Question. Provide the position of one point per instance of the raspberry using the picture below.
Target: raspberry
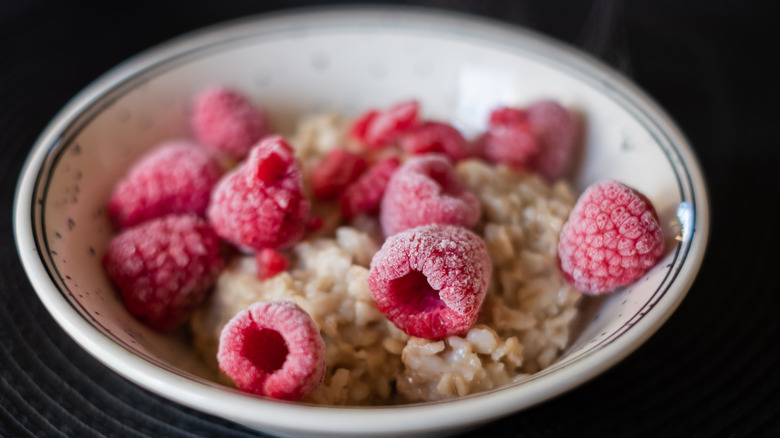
(365, 194)
(425, 190)
(336, 172)
(261, 204)
(612, 238)
(175, 177)
(431, 281)
(273, 349)
(506, 115)
(436, 137)
(510, 138)
(381, 128)
(269, 263)
(555, 130)
(164, 267)
(225, 121)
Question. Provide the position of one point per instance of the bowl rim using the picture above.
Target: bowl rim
(340, 421)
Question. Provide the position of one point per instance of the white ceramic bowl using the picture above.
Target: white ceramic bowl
(346, 59)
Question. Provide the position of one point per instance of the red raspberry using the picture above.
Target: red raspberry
(225, 121)
(384, 127)
(431, 281)
(510, 138)
(269, 263)
(365, 194)
(612, 238)
(336, 172)
(175, 177)
(261, 204)
(359, 126)
(555, 129)
(425, 190)
(506, 115)
(273, 349)
(436, 137)
(164, 267)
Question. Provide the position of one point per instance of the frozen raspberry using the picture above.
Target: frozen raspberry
(436, 137)
(381, 128)
(510, 138)
(555, 129)
(612, 238)
(336, 172)
(175, 177)
(273, 349)
(224, 120)
(506, 115)
(269, 263)
(431, 281)
(261, 204)
(365, 194)
(164, 267)
(425, 190)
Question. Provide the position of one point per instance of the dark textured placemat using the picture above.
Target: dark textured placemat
(712, 370)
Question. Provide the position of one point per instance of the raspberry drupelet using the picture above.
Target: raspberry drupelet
(426, 190)
(260, 204)
(175, 177)
(612, 238)
(223, 120)
(273, 349)
(164, 267)
(432, 136)
(431, 281)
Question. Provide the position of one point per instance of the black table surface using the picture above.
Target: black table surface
(712, 370)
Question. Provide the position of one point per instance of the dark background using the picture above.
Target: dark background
(712, 370)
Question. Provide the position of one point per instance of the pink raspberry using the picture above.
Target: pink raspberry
(555, 129)
(164, 267)
(431, 281)
(425, 190)
(612, 238)
(436, 137)
(224, 120)
(273, 349)
(381, 128)
(261, 204)
(269, 263)
(336, 172)
(175, 177)
(365, 194)
(510, 138)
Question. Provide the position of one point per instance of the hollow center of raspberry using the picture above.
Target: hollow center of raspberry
(270, 167)
(415, 295)
(265, 348)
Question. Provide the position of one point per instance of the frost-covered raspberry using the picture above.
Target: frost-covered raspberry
(555, 129)
(261, 204)
(439, 137)
(510, 138)
(612, 238)
(336, 172)
(377, 129)
(164, 267)
(431, 281)
(175, 177)
(270, 262)
(365, 194)
(224, 120)
(273, 349)
(426, 190)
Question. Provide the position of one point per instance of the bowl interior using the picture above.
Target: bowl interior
(305, 64)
